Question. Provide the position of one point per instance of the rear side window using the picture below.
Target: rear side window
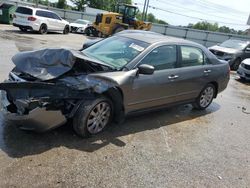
(55, 16)
(24, 10)
(191, 56)
(47, 14)
(42, 13)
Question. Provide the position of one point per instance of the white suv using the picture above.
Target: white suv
(29, 18)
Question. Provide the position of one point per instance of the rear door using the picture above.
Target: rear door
(22, 14)
(58, 22)
(194, 72)
(52, 21)
(47, 18)
(159, 88)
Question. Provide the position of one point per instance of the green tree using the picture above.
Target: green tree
(79, 4)
(151, 18)
(100, 4)
(61, 4)
(214, 27)
(162, 22)
(43, 2)
(206, 26)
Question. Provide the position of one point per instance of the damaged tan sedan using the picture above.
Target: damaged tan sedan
(120, 75)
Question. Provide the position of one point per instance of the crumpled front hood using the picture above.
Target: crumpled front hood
(223, 49)
(48, 64)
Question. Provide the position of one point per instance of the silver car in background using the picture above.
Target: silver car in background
(79, 26)
(233, 51)
(120, 75)
(244, 69)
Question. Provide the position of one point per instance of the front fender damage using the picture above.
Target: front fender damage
(37, 101)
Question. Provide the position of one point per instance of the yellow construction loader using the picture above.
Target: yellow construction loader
(123, 18)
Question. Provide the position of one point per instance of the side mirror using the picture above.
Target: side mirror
(146, 69)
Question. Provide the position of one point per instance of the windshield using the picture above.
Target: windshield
(116, 51)
(235, 44)
(81, 22)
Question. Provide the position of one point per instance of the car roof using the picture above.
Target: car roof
(153, 37)
(33, 8)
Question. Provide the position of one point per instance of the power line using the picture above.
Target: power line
(193, 17)
(193, 10)
(219, 7)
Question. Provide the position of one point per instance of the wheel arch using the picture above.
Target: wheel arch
(235, 61)
(44, 23)
(216, 85)
(115, 94)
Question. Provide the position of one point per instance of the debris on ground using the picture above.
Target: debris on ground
(244, 110)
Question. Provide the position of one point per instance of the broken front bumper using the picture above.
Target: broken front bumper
(38, 119)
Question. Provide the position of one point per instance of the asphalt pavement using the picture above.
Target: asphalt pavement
(173, 147)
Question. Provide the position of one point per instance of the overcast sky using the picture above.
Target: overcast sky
(232, 13)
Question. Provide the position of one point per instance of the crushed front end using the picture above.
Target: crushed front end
(43, 92)
(38, 106)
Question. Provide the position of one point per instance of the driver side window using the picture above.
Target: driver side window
(163, 57)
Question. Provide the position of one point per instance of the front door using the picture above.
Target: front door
(159, 88)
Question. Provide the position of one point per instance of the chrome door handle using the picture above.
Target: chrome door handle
(207, 71)
(171, 77)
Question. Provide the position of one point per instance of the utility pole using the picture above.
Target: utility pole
(146, 13)
(143, 12)
(36, 3)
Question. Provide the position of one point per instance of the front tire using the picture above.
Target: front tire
(205, 98)
(66, 30)
(236, 64)
(91, 31)
(93, 116)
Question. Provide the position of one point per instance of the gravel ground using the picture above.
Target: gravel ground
(174, 147)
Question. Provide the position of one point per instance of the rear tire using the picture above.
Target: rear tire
(43, 29)
(205, 98)
(23, 29)
(93, 116)
(66, 30)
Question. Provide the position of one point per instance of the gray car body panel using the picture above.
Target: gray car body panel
(135, 91)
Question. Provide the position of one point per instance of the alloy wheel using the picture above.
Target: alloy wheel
(206, 97)
(98, 117)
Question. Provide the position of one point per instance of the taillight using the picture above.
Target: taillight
(14, 16)
(31, 18)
